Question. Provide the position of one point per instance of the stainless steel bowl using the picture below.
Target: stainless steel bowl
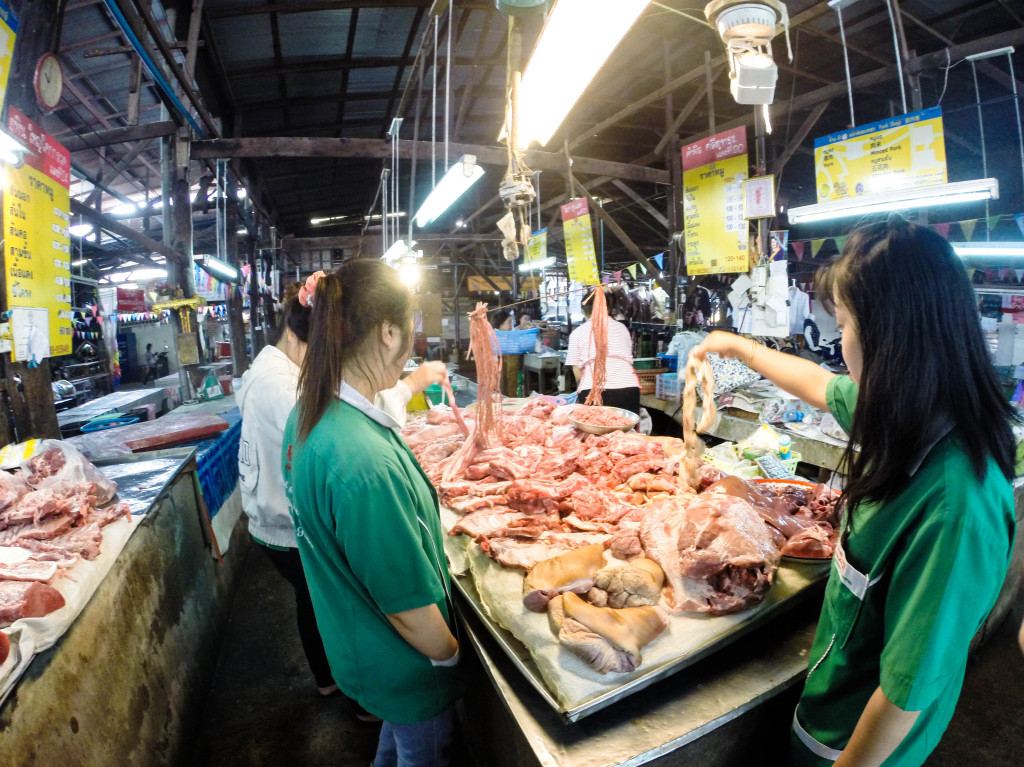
(590, 429)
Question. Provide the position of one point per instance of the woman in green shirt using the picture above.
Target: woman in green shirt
(366, 519)
(928, 506)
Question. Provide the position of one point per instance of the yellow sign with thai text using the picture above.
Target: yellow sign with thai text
(8, 31)
(36, 246)
(904, 152)
(715, 229)
(579, 243)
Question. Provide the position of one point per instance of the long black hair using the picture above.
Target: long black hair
(350, 306)
(924, 356)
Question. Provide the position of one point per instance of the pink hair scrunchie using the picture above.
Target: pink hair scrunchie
(307, 290)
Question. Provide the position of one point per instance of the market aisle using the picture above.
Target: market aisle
(263, 709)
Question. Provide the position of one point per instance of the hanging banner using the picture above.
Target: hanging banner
(716, 231)
(8, 31)
(537, 247)
(36, 246)
(903, 152)
(579, 242)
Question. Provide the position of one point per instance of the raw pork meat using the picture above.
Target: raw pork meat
(29, 570)
(27, 600)
(524, 554)
(60, 467)
(717, 554)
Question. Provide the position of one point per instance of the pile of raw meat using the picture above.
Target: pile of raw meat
(54, 506)
(549, 489)
(601, 416)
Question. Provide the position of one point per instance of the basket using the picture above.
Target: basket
(217, 469)
(669, 386)
(671, 361)
(648, 379)
(517, 341)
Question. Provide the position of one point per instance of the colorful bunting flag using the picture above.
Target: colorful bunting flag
(642, 267)
(993, 221)
(618, 276)
(816, 246)
(1019, 273)
(798, 248)
(1019, 218)
(632, 270)
(942, 229)
(659, 259)
(967, 227)
(840, 242)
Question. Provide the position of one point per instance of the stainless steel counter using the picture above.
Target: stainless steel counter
(673, 721)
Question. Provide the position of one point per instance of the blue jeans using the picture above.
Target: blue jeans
(420, 744)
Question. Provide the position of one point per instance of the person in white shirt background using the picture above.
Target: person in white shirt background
(265, 399)
(622, 387)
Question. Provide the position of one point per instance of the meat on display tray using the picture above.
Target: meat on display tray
(141, 481)
(569, 686)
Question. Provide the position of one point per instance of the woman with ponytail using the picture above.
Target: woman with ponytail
(367, 520)
(928, 521)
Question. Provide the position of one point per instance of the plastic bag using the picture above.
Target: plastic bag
(59, 467)
(729, 374)
(645, 426)
(211, 388)
(764, 440)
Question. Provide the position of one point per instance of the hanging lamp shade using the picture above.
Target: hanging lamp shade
(521, 7)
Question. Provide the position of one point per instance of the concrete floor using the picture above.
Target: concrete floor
(263, 708)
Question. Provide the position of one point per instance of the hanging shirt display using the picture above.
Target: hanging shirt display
(799, 310)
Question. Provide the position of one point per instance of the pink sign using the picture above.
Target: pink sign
(47, 155)
(575, 209)
(131, 300)
(718, 147)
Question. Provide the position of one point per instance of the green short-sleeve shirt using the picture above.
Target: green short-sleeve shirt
(907, 591)
(369, 534)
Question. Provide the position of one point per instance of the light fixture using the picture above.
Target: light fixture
(241, 194)
(747, 29)
(544, 263)
(80, 230)
(142, 275)
(241, 232)
(12, 150)
(901, 199)
(460, 177)
(990, 249)
(409, 273)
(217, 268)
(125, 209)
(990, 54)
(396, 251)
(578, 36)
(80, 262)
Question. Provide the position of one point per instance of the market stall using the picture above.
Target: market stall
(142, 618)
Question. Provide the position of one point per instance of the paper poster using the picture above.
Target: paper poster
(903, 152)
(8, 31)
(537, 247)
(759, 197)
(130, 300)
(579, 242)
(715, 229)
(36, 246)
(779, 240)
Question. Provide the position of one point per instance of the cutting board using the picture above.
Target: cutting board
(173, 430)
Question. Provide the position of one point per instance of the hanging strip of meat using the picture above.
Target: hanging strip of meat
(691, 454)
(446, 386)
(487, 354)
(599, 328)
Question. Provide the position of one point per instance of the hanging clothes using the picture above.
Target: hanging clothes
(799, 310)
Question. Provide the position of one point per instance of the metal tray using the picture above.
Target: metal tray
(521, 658)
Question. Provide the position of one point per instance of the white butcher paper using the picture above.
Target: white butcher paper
(33, 635)
(571, 681)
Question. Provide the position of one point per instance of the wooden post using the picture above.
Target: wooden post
(239, 359)
(27, 395)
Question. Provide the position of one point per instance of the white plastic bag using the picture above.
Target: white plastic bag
(59, 467)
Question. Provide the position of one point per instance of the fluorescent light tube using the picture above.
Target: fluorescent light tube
(990, 54)
(994, 249)
(902, 199)
(80, 230)
(396, 251)
(460, 177)
(577, 39)
(219, 269)
(544, 263)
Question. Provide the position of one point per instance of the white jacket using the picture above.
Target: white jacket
(265, 399)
